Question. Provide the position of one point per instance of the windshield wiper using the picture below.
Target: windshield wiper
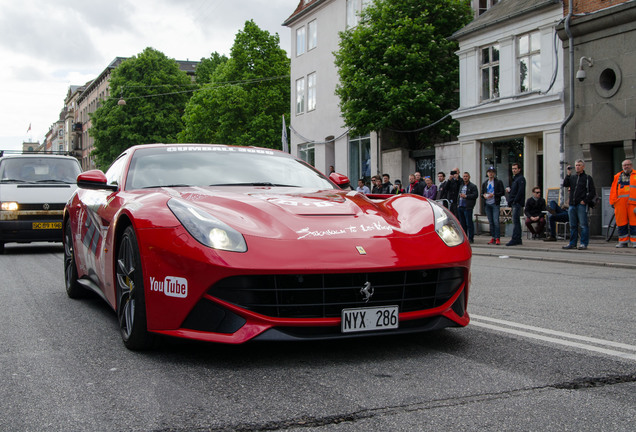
(254, 184)
(10, 180)
(54, 181)
(171, 185)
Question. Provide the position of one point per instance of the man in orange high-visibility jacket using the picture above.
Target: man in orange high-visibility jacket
(623, 199)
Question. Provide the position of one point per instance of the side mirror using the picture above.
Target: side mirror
(341, 180)
(94, 179)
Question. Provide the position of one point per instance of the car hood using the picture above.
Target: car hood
(304, 213)
(35, 193)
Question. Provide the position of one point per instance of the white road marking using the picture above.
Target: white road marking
(540, 334)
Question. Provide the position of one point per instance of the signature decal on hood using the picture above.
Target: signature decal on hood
(376, 226)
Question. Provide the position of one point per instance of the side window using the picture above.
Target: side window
(311, 91)
(529, 62)
(301, 41)
(353, 9)
(300, 96)
(115, 172)
(312, 37)
(489, 69)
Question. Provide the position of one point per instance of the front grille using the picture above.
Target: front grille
(325, 295)
(40, 206)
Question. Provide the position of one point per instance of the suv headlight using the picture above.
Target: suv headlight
(9, 206)
(446, 225)
(207, 229)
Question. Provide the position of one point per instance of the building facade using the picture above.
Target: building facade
(318, 134)
(599, 44)
(86, 102)
(511, 94)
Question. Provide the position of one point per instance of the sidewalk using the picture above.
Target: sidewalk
(598, 253)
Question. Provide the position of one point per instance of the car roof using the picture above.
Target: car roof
(158, 145)
(35, 155)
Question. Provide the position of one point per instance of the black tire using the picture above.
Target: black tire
(611, 228)
(131, 305)
(1, 248)
(73, 288)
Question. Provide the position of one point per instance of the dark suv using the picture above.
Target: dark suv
(33, 191)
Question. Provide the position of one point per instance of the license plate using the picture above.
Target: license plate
(371, 318)
(47, 225)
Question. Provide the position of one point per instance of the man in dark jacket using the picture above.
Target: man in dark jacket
(377, 185)
(466, 200)
(534, 211)
(516, 200)
(491, 192)
(442, 190)
(452, 186)
(414, 187)
(582, 193)
(387, 187)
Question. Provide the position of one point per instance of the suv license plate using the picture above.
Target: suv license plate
(371, 318)
(46, 225)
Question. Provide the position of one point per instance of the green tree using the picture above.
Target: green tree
(244, 102)
(207, 66)
(155, 91)
(398, 69)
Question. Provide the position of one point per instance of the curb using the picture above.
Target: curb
(555, 259)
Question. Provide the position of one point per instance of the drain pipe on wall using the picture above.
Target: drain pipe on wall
(571, 113)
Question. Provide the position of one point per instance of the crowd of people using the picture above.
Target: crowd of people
(460, 196)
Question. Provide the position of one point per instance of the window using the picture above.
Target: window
(360, 159)
(312, 29)
(311, 91)
(426, 166)
(529, 62)
(484, 5)
(353, 11)
(501, 155)
(490, 72)
(306, 152)
(301, 41)
(300, 96)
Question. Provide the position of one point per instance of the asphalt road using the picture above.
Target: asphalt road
(552, 346)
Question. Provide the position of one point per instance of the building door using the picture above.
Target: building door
(500, 155)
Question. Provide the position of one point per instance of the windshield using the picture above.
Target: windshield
(219, 166)
(39, 170)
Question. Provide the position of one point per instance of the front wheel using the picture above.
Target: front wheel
(73, 288)
(131, 305)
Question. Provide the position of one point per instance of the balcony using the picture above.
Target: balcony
(77, 127)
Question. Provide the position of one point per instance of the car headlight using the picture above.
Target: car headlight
(207, 229)
(446, 226)
(9, 206)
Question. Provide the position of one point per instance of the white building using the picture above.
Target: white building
(318, 134)
(511, 93)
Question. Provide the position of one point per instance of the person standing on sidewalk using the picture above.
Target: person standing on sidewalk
(516, 200)
(452, 186)
(491, 191)
(467, 198)
(623, 200)
(582, 193)
(442, 191)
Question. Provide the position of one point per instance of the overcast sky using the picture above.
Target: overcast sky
(48, 45)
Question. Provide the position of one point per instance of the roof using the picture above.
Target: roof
(187, 66)
(503, 11)
(304, 6)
